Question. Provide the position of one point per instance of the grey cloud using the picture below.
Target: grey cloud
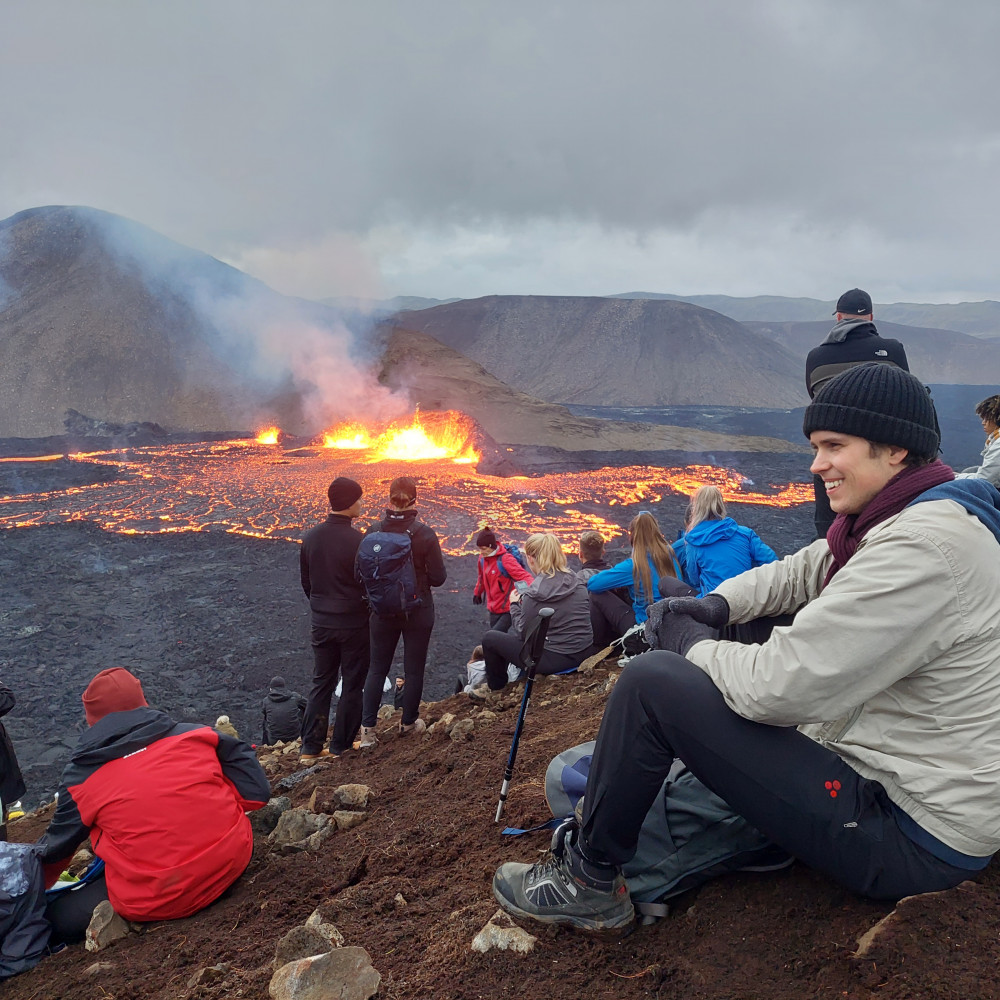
(240, 124)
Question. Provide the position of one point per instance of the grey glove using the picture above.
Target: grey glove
(711, 610)
(677, 623)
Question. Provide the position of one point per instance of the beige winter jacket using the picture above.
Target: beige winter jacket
(895, 665)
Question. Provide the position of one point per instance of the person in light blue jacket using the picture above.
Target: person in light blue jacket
(649, 574)
(714, 547)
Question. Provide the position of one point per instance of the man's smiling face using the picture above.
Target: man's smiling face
(853, 470)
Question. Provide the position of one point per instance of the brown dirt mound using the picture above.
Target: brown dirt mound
(412, 885)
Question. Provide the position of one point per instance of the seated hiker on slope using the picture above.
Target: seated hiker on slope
(714, 547)
(283, 713)
(496, 579)
(988, 412)
(164, 804)
(649, 573)
(569, 640)
(890, 671)
(11, 782)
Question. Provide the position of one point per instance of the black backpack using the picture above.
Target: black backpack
(385, 566)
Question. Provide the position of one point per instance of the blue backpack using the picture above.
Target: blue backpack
(522, 559)
(385, 567)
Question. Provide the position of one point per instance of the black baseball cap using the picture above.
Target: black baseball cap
(856, 302)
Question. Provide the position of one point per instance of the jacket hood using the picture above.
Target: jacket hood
(707, 532)
(279, 694)
(401, 517)
(980, 498)
(126, 731)
(853, 327)
(554, 588)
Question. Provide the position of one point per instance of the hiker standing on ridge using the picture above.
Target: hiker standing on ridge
(889, 669)
(339, 616)
(497, 575)
(164, 804)
(852, 341)
(414, 625)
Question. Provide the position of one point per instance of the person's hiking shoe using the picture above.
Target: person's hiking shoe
(311, 758)
(368, 738)
(397, 695)
(564, 888)
(416, 726)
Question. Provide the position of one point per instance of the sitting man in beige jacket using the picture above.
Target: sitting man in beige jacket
(862, 739)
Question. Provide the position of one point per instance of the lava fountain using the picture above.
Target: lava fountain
(424, 438)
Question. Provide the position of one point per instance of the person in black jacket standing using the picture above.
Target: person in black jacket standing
(11, 782)
(339, 624)
(415, 627)
(852, 341)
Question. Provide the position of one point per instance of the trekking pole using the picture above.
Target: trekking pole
(531, 653)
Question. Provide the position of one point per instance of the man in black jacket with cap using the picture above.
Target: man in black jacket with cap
(339, 624)
(852, 341)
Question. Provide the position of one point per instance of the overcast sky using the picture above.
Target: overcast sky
(440, 148)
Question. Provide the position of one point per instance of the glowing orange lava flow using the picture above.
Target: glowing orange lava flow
(426, 438)
(268, 436)
(227, 486)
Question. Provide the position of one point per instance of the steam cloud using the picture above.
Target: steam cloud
(300, 362)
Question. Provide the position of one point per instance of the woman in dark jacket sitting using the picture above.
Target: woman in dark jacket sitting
(11, 782)
(570, 638)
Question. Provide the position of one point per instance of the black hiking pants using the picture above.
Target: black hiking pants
(610, 617)
(415, 630)
(501, 648)
(799, 794)
(336, 652)
(500, 621)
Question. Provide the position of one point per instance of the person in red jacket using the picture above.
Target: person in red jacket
(494, 586)
(164, 804)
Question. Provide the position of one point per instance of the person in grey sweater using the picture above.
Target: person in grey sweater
(570, 637)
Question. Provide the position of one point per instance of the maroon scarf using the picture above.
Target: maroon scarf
(848, 529)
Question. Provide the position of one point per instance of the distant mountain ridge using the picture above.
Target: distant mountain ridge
(979, 319)
(612, 352)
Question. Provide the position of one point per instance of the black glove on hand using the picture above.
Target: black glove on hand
(478, 598)
(711, 610)
(677, 623)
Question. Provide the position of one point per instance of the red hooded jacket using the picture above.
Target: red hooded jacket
(165, 806)
(497, 587)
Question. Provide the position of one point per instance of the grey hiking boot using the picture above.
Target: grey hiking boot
(564, 888)
(368, 738)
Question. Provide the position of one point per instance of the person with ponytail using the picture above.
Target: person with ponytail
(649, 574)
(714, 547)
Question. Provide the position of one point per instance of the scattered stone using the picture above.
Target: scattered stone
(486, 716)
(316, 840)
(444, 723)
(106, 927)
(347, 818)
(606, 687)
(462, 730)
(589, 664)
(502, 933)
(353, 796)
(386, 712)
(399, 899)
(900, 914)
(210, 974)
(296, 825)
(286, 784)
(98, 968)
(291, 748)
(300, 942)
(329, 931)
(341, 974)
(265, 819)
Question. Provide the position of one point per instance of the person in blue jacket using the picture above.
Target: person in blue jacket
(651, 572)
(715, 547)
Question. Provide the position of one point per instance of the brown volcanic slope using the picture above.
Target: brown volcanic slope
(939, 356)
(79, 331)
(439, 378)
(616, 352)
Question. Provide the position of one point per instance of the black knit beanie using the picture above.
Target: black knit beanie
(879, 402)
(486, 537)
(343, 493)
